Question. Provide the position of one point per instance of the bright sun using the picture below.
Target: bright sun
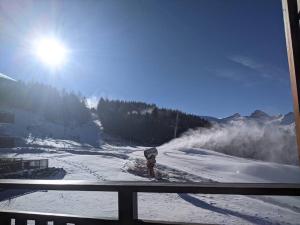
(50, 51)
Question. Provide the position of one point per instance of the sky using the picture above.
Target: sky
(206, 57)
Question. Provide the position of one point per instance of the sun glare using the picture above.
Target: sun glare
(50, 51)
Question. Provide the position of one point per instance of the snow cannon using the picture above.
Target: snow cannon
(150, 153)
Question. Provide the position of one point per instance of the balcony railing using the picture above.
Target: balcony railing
(127, 198)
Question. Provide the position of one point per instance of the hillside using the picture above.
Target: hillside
(54, 105)
(145, 124)
(45, 113)
(126, 163)
(81, 147)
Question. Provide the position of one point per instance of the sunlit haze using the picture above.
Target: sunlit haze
(50, 51)
(163, 52)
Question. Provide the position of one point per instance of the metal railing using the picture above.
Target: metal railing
(11, 165)
(127, 198)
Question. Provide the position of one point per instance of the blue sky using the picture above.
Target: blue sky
(207, 57)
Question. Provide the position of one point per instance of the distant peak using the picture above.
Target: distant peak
(259, 114)
(236, 115)
(232, 117)
(289, 114)
(288, 118)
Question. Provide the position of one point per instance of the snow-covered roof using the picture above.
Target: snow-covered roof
(3, 76)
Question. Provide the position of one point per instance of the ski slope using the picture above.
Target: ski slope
(113, 163)
(100, 157)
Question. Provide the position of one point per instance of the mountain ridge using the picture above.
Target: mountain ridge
(256, 115)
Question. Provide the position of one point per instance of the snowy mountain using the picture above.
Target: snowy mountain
(257, 136)
(234, 117)
(233, 150)
(260, 115)
(287, 119)
(257, 116)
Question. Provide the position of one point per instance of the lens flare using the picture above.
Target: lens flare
(50, 51)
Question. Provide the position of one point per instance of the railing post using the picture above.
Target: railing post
(5, 220)
(59, 222)
(292, 34)
(128, 208)
(41, 222)
(20, 221)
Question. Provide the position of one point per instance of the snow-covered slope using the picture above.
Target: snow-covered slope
(224, 168)
(31, 127)
(181, 164)
(179, 160)
(82, 151)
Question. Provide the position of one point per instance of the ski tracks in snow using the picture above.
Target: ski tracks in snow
(82, 167)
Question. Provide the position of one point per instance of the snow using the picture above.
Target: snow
(223, 168)
(110, 162)
(288, 119)
(244, 138)
(3, 76)
(114, 160)
(256, 116)
(34, 128)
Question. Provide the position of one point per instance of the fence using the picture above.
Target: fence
(8, 165)
(6, 117)
(128, 198)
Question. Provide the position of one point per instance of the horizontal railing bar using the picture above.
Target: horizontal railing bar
(282, 189)
(150, 222)
(67, 218)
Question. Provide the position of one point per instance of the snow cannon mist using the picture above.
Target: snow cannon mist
(150, 154)
(247, 139)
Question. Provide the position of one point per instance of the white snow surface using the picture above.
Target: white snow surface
(95, 159)
(111, 162)
(34, 128)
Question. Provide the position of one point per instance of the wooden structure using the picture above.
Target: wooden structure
(6, 117)
(5, 141)
(128, 198)
(291, 17)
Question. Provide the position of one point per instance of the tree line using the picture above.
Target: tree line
(145, 123)
(56, 106)
(138, 122)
